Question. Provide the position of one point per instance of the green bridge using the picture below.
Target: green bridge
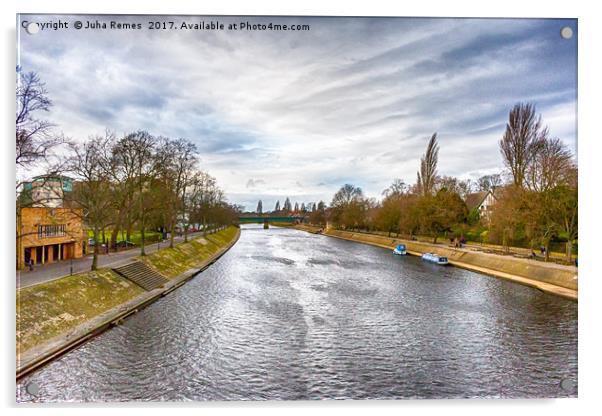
(260, 219)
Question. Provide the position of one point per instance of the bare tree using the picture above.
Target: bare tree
(347, 206)
(428, 168)
(489, 182)
(398, 187)
(465, 188)
(138, 151)
(455, 185)
(347, 194)
(521, 141)
(551, 166)
(92, 193)
(567, 211)
(122, 172)
(176, 168)
(204, 195)
(34, 137)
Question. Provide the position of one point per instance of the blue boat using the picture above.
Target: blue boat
(400, 250)
(435, 258)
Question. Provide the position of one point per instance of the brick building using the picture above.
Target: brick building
(46, 230)
(47, 235)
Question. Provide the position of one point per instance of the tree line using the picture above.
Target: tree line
(135, 182)
(288, 208)
(144, 182)
(535, 196)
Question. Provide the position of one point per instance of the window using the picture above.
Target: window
(54, 230)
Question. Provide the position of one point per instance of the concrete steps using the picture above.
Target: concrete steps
(141, 274)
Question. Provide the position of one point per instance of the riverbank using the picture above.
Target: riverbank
(548, 277)
(56, 316)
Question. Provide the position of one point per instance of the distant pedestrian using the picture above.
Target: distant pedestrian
(30, 264)
(542, 249)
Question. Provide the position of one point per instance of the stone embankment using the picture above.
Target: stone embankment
(57, 316)
(549, 277)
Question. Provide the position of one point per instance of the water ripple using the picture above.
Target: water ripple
(285, 315)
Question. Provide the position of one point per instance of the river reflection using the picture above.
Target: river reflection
(290, 315)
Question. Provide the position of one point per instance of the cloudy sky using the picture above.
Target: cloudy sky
(300, 113)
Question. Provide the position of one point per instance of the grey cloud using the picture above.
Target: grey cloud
(252, 183)
(352, 100)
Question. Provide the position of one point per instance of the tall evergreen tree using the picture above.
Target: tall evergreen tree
(287, 207)
(428, 167)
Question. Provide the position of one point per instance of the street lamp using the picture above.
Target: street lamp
(71, 258)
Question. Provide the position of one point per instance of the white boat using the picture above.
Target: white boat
(400, 250)
(435, 258)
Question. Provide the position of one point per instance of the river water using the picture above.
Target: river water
(291, 315)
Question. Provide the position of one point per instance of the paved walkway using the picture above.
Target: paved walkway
(544, 286)
(51, 271)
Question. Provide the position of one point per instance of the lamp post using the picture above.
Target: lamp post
(71, 257)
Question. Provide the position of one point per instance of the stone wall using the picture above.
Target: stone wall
(551, 273)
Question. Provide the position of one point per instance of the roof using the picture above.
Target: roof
(51, 177)
(474, 200)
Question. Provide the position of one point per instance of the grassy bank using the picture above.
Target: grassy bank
(49, 309)
(550, 277)
(135, 237)
(172, 262)
(54, 308)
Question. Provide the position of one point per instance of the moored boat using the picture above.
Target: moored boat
(435, 258)
(400, 250)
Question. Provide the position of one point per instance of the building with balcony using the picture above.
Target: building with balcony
(48, 231)
(47, 235)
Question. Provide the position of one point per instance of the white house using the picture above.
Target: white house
(482, 201)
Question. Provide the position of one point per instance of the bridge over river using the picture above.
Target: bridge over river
(291, 315)
(260, 219)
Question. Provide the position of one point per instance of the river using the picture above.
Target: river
(287, 315)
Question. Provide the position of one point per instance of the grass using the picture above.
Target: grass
(135, 237)
(443, 240)
(172, 262)
(49, 309)
(52, 308)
